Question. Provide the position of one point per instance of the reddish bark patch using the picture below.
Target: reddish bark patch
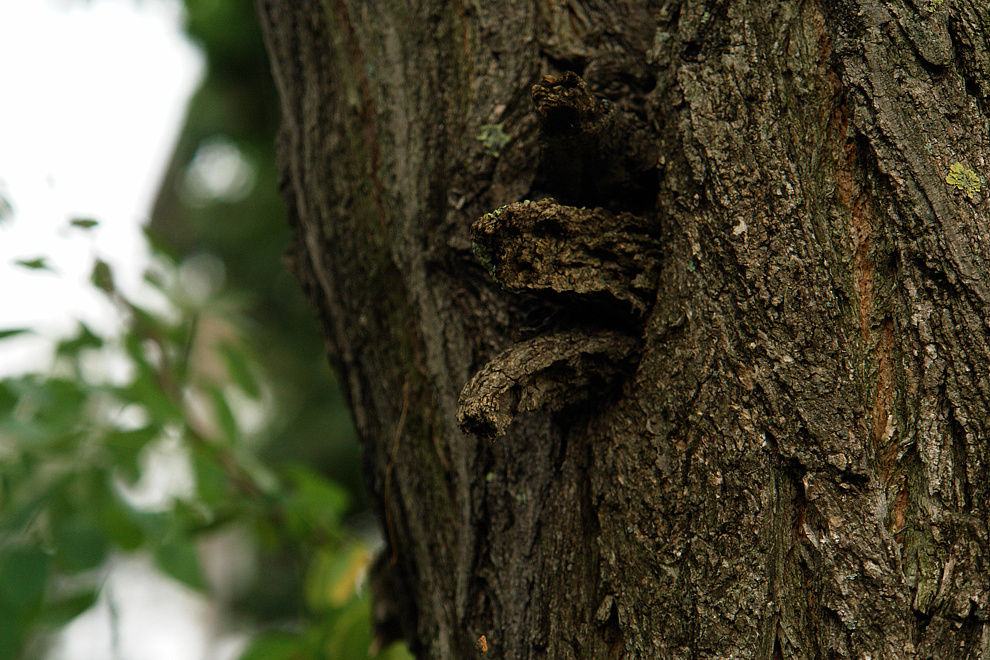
(853, 200)
(883, 396)
(898, 516)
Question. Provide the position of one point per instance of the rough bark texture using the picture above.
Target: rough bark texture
(786, 455)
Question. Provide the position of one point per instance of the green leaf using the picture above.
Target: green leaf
(11, 635)
(147, 393)
(81, 543)
(317, 490)
(84, 223)
(277, 646)
(38, 263)
(147, 325)
(334, 576)
(54, 413)
(260, 473)
(178, 559)
(396, 651)
(25, 506)
(59, 613)
(85, 338)
(224, 416)
(239, 366)
(4, 334)
(8, 398)
(126, 448)
(126, 528)
(24, 573)
(212, 483)
(350, 631)
(102, 277)
(315, 505)
(60, 412)
(155, 279)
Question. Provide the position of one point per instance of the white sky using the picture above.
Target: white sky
(92, 95)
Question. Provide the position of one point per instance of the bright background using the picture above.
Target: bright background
(191, 464)
(93, 97)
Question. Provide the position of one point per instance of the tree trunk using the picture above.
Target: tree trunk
(762, 432)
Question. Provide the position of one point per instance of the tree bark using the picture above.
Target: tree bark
(782, 453)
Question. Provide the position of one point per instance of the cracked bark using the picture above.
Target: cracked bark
(795, 463)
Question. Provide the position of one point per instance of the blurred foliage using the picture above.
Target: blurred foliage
(76, 445)
(78, 442)
(220, 196)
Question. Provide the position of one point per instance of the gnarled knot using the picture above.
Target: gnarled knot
(554, 371)
(602, 264)
(592, 256)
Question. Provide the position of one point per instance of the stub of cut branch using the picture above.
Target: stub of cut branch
(593, 254)
(553, 372)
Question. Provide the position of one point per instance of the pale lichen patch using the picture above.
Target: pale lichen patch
(494, 138)
(964, 179)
